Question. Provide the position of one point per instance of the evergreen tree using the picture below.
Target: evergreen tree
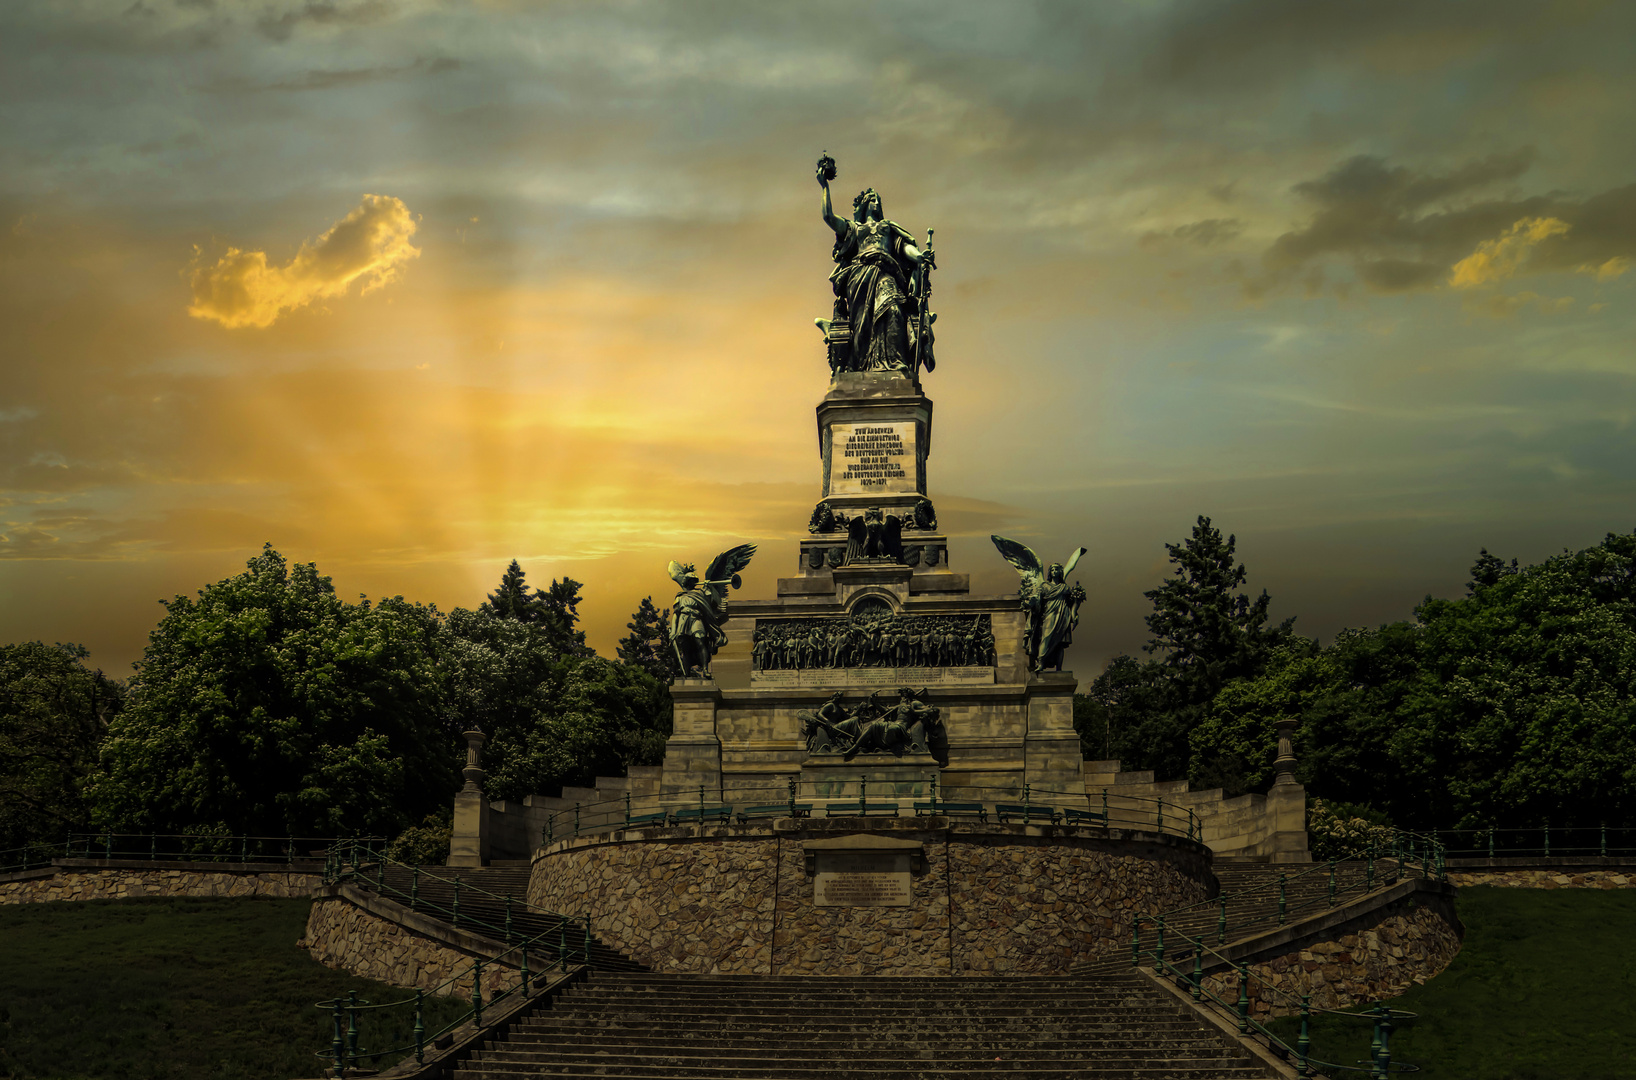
(555, 609)
(513, 599)
(1205, 634)
(648, 646)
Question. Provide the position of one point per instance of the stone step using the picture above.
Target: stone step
(739, 1041)
(874, 1062)
(976, 1067)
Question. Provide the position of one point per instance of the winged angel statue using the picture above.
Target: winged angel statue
(701, 608)
(1052, 605)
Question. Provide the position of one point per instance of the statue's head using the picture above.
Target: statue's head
(866, 205)
(1054, 573)
(835, 698)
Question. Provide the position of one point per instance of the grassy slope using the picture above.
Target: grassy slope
(1544, 988)
(171, 988)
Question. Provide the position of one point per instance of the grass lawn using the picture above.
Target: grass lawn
(174, 988)
(1544, 988)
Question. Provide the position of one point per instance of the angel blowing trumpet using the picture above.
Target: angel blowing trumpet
(701, 608)
(1052, 605)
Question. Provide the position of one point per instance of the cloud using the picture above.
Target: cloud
(371, 243)
(1203, 233)
(1407, 230)
(1497, 259)
(1504, 307)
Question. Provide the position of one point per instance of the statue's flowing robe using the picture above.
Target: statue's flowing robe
(1058, 616)
(873, 274)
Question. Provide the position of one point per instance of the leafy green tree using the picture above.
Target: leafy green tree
(1205, 635)
(552, 717)
(53, 713)
(270, 706)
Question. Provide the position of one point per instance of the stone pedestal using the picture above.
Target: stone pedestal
(469, 843)
(878, 777)
(1051, 753)
(874, 435)
(693, 751)
(1287, 803)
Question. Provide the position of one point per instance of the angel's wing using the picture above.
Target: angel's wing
(1022, 559)
(730, 562)
(894, 537)
(1073, 560)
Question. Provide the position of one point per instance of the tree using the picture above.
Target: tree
(268, 706)
(648, 646)
(1512, 706)
(555, 609)
(1205, 635)
(53, 713)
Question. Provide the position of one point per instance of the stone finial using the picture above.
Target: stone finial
(473, 772)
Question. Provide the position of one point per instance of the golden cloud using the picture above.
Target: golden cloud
(1608, 270)
(1497, 259)
(370, 243)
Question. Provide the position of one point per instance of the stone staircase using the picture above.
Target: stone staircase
(483, 893)
(622, 1026)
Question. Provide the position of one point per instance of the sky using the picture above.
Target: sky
(411, 288)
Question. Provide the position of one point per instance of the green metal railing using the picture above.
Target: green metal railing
(358, 861)
(344, 1053)
(1494, 842)
(362, 862)
(195, 847)
(1383, 864)
(1187, 969)
(1026, 804)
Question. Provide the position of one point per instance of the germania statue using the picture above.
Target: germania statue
(1052, 605)
(882, 286)
(701, 608)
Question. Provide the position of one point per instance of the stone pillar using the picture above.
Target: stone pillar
(469, 844)
(693, 751)
(1051, 745)
(1286, 804)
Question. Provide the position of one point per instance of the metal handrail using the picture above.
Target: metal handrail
(1400, 854)
(196, 847)
(344, 1051)
(1493, 841)
(1027, 804)
(1379, 1066)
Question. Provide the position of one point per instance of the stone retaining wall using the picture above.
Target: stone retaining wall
(340, 934)
(1006, 899)
(100, 881)
(1370, 958)
(1546, 879)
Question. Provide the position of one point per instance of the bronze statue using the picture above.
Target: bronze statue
(909, 725)
(1052, 605)
(701, 607)
(882, 285)
(875, 535)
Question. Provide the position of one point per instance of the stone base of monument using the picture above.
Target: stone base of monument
(874, 778)
(889, 895)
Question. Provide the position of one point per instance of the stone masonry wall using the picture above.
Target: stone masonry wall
(123, 884)
(342, 935)
(737, 900)
(1410, 942)
(1546, 879)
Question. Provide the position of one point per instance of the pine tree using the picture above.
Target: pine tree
(647, 646)
(512, 600)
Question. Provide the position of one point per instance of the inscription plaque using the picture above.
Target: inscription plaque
(872, 459)
(848, 879)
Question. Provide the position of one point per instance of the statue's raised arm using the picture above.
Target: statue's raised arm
(700, 609)
(881, 284)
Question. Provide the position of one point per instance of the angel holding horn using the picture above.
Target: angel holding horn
(1052, 605)
(701, 608)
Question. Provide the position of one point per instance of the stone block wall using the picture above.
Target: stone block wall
(103, 882)
(340, 934)
(1369, 959)
(1549, 878)
(1006, 899)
